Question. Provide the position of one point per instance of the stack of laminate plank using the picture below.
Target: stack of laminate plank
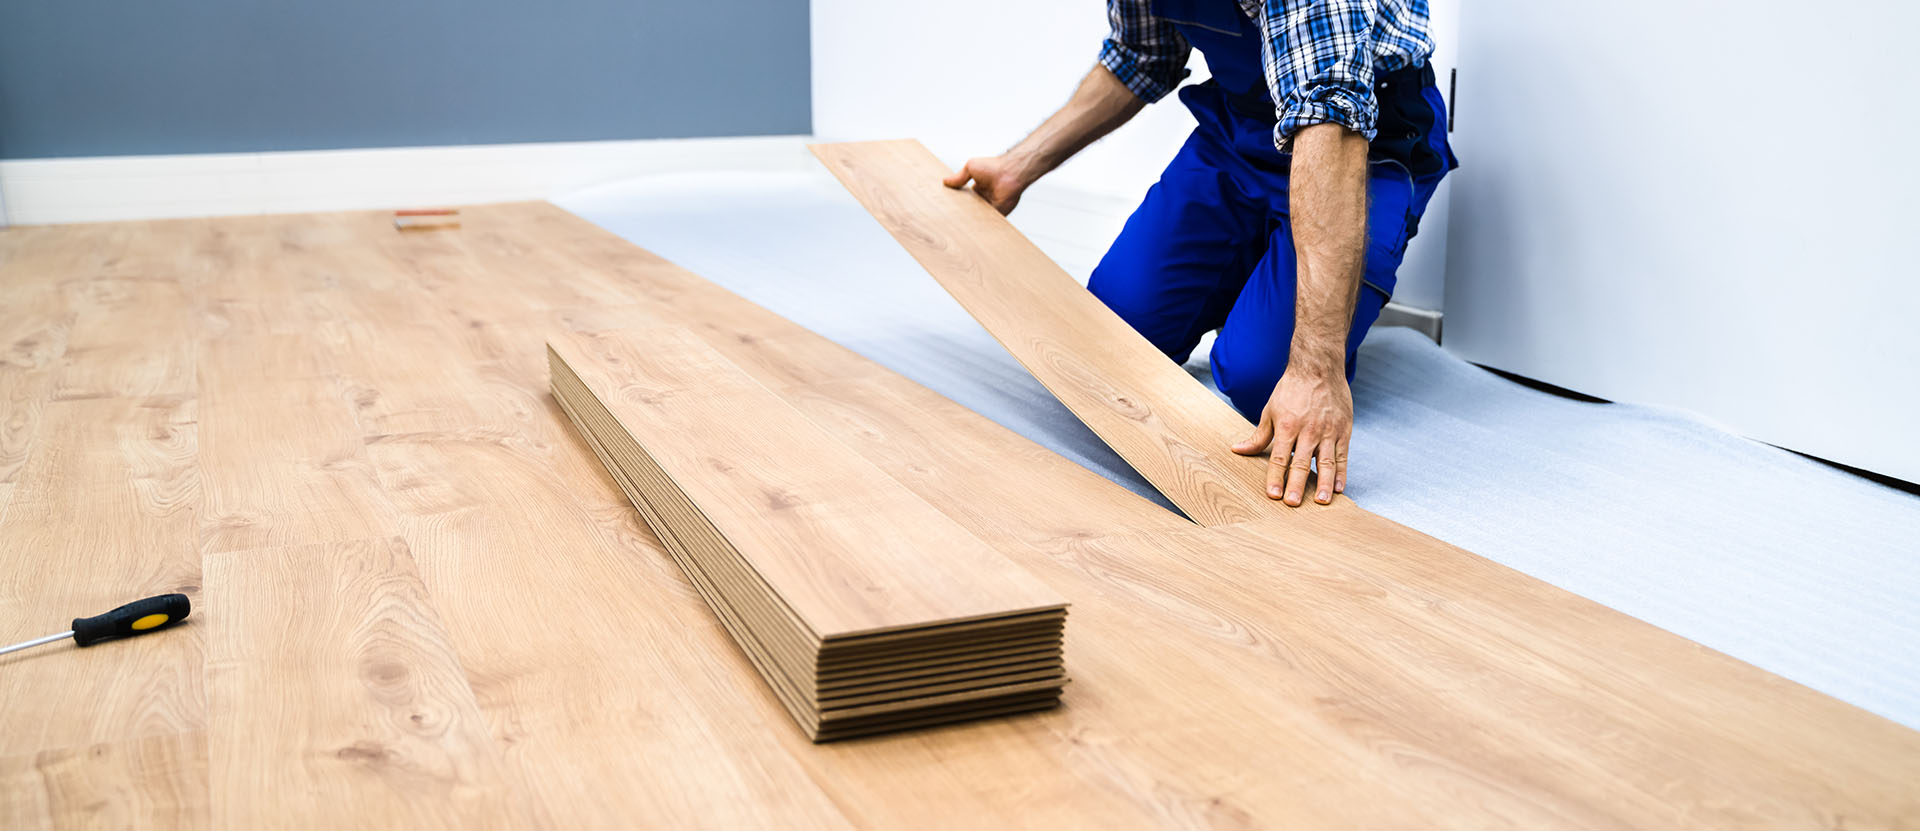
(865, 608)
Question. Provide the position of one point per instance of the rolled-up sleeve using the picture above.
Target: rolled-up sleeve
(1145, 52)
(1320, 68)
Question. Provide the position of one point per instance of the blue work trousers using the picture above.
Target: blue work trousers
(1211, 247)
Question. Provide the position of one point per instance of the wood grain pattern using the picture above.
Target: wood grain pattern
(848, 549)
(283, 458)
(1144, 406)
(826, 572)
(102, 513)
(1310, 669)
(384, 724)
(134, 324)
(157, 782)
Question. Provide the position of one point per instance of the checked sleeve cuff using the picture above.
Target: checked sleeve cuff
(1327, 104)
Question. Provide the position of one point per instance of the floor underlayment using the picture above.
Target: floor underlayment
(1795, 567)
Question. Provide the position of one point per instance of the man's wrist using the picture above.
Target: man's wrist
(1026, 165)
(1312, 359)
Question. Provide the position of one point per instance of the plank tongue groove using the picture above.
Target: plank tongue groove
(810, 554)
(1148, 409)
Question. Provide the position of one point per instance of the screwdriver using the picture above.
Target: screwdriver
(136, 618)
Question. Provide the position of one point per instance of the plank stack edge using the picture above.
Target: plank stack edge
(864, 608)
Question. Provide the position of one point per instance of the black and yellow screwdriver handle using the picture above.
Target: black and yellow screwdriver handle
(136, 618)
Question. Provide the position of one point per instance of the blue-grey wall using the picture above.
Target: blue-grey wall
(119, 77)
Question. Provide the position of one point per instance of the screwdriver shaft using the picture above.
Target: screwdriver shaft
(36, 642)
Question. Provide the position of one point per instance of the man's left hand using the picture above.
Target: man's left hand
(1310, 416)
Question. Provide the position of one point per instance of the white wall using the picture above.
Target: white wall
(970, 79)
(1707, 205)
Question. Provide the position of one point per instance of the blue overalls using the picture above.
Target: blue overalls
(1211, 247)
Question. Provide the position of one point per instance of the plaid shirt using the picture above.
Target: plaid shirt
(1321, 55)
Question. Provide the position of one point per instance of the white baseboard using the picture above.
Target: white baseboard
(46, 191)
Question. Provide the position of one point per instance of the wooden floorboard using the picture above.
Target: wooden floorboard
(284, 461)
(102, 514)
(382, 722)
(352, 384)
(157, 782)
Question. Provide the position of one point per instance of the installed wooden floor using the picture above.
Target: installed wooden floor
(422, 602)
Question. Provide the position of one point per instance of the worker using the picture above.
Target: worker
(1282, 220)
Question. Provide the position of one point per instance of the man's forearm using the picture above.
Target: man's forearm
(1327, 198)
(1098, 106)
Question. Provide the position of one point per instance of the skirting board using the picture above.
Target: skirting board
(1424, 321)
(100, 189)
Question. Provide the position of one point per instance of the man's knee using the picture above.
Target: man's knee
(1247, 376)
(1140, 300)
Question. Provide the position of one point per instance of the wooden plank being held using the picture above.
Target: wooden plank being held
(1149, 410)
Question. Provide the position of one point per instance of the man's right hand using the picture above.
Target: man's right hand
(998, 179)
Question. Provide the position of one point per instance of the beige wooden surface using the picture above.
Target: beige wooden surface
(352, 386)
(849, 550)
(824, 570)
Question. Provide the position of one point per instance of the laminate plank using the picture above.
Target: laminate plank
(102, 513)
(779, 643)
(876, 557)
(1148, 409)
(491, 270)
(23, 395)
(282, 458)
(1522, 699)
(258, 277)
(336, 699)
(130, 338)
(300, 274)
(157, 782)
(35, 313)
(1018, 662)
(134, 321)
(454, 397)
(951, 456)
(839, 671)
(786, 550)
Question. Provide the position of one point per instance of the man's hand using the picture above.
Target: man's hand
(998, 179)
(1309, 417)
(1098, 105)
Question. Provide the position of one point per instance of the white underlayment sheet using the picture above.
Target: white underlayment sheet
(1806, 571)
